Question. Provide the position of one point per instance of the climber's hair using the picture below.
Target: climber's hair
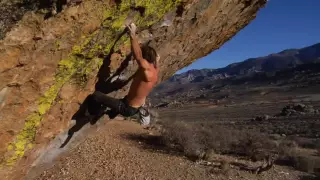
(149, 54)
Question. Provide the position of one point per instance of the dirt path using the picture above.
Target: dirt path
(115, 152)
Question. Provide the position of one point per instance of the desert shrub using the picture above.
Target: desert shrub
(182, 137)
(289, 154)
(197, 139)
(318, 147)
(287, 151)
(305, 142)
(253, 144)
(307, 163)
(203, 140)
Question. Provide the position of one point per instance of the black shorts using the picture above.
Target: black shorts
(119, 106)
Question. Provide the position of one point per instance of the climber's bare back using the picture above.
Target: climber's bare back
(142, 84)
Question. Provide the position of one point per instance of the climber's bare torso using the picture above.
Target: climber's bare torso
(141, 86)
(146, 76)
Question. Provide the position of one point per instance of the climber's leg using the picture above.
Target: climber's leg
(117, 106)
(107, 101)
(126, 110)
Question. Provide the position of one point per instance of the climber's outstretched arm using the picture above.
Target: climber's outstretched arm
(136, 47)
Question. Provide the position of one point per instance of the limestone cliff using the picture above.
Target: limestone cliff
(48, 66)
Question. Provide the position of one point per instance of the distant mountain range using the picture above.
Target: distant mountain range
(281, 67)
(285, 59)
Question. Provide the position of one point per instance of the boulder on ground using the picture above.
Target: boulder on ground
(298, 109)
(262, 118)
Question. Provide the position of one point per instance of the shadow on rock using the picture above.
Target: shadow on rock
(91, 111)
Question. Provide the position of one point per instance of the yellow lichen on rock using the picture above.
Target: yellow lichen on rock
(23, 138)
(154, 10)
(83, 61)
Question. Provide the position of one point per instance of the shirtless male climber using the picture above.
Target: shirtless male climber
(142, 84)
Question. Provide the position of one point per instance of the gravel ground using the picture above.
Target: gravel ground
(115, 152)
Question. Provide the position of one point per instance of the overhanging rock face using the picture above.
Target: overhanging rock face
(49, 67)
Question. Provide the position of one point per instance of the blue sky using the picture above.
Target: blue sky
(281, 24)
